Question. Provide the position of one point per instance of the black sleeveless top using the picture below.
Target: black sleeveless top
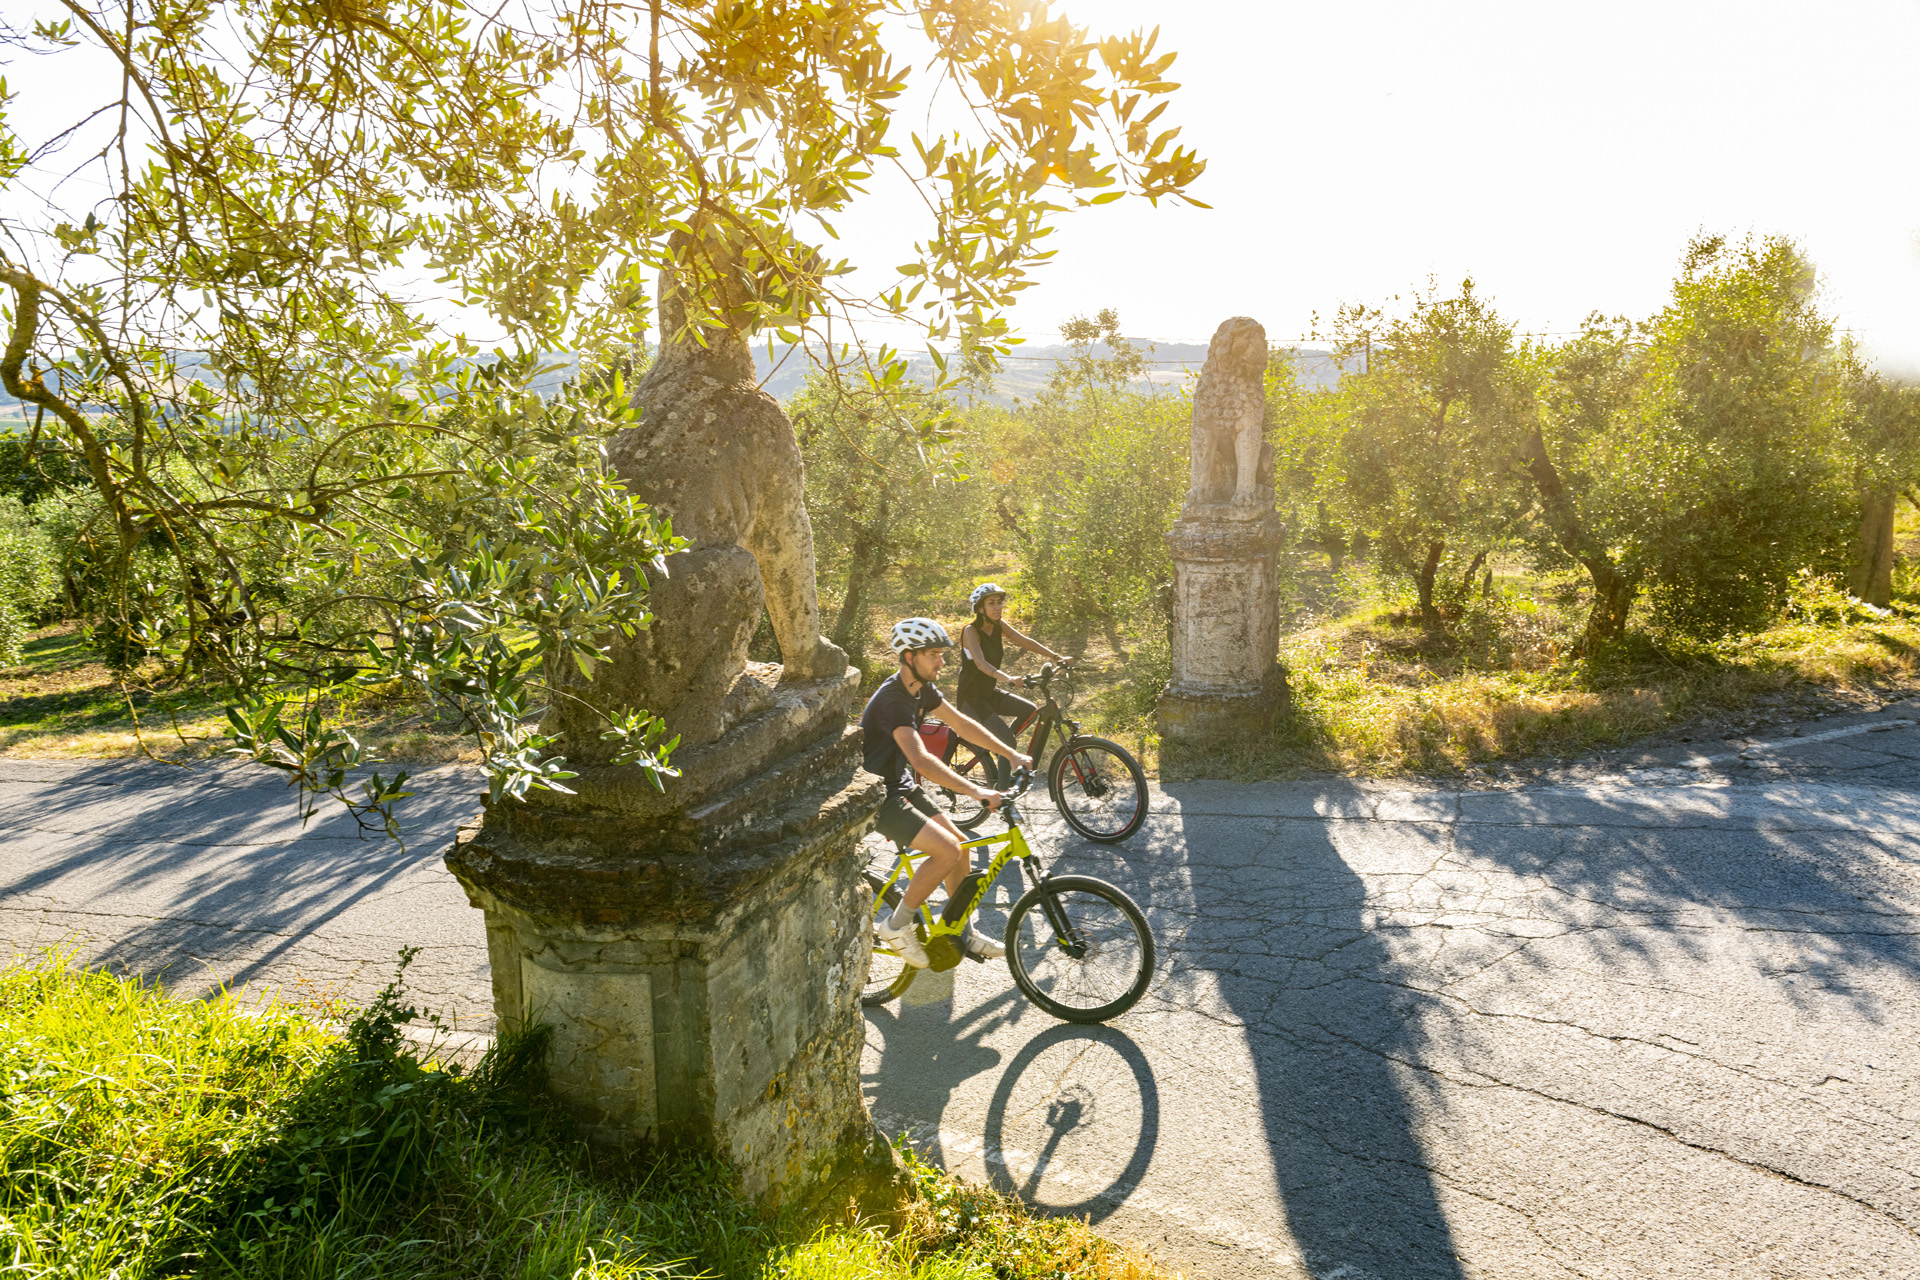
(975, 683)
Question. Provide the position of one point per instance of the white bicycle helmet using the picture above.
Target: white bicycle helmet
(982, 591)
(918, 633)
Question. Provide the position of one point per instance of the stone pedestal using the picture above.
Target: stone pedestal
(699, 953)
(1227, 683)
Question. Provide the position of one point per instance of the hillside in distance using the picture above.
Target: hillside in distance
(1171, 367)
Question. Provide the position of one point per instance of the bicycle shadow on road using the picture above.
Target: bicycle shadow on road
(1058, 1110)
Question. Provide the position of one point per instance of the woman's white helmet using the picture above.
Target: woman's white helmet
(982, 591)
(918, 633)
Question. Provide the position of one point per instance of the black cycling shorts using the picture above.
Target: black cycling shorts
(902, 815)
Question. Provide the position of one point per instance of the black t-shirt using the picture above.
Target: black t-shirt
(890, 708)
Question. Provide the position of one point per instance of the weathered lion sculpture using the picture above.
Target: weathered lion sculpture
(717, 455)
(1228, 414)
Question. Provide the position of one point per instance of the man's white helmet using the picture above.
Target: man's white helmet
(982, 591)
(918, 633)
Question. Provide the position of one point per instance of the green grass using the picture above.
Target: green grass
(63, 699)
(143, 1135)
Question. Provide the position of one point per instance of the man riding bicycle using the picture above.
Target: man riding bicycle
(894, 749)
(982, 649)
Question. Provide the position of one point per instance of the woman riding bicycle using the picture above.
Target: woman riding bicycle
(982, 648)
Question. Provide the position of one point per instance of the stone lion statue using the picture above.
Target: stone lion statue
(1229, 446)
(717, 455)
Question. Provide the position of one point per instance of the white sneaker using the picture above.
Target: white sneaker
(979, 946)
(903, 941)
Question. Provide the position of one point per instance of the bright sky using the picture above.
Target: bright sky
(1560, 154)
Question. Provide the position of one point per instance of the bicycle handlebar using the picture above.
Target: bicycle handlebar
(1046, 673)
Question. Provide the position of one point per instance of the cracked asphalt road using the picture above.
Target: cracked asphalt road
(1651, 1016)
(208, 878)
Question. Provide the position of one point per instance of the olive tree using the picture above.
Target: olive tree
(292, 332)
(1588, 511)
(1701, 456)
(1734, 459)
(873, 499)
(1883, 437)
(1096, 469)
(1427, 448)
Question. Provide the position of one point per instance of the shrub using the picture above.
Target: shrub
(29, 578)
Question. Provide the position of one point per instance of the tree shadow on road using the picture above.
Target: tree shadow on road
(204, 875)
(1281, 931)
(1808, 880)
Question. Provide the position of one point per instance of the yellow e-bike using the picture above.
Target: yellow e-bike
(1078, 947)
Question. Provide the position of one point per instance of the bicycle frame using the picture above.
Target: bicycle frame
(943, 931)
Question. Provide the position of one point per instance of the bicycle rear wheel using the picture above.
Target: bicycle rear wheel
(1079, 948)
(884, 969)
(966, 812)
(1099, 789)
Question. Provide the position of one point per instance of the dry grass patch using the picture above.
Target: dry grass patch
(1355, 714)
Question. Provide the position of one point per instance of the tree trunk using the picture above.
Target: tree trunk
(1613, 591)
(1872, 578)
(1466, 579)
(1335, 545)
(866, 562)
(1613, 594)
(1429, 615)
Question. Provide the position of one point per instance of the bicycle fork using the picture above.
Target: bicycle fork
(1064, 933)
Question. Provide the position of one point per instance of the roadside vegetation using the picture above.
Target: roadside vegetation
(143, 1135)
(63, 699)
(1500, 547)
(1499, 654)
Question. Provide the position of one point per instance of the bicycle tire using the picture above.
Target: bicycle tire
(1099, 789)
(1109, 978)
(966, 812)
(883, 971)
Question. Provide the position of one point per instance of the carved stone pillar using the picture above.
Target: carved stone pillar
(1227, 684)
(698, 951)
(699, 954)
(1226, 681)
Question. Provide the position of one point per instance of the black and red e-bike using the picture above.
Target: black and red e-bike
(1096, 784)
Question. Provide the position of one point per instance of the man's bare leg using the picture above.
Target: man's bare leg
(939, 839)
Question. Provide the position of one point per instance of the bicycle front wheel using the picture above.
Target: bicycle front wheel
(1079, 948)
(1099, 789)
